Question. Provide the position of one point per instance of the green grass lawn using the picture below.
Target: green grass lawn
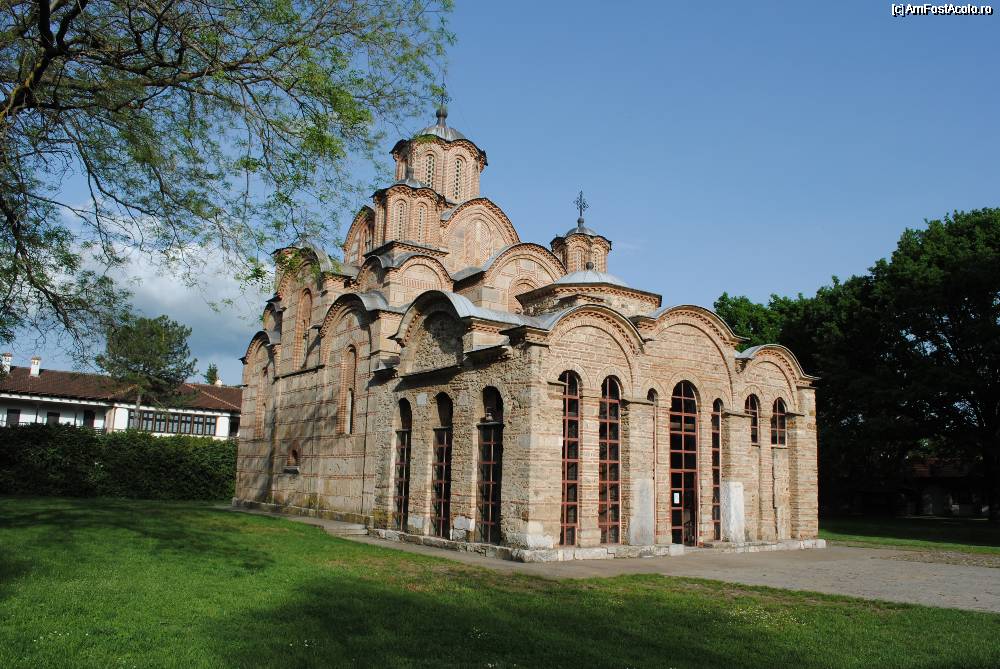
(966, 535)
(97, 583)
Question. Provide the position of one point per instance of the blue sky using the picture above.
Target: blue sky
(749, 147)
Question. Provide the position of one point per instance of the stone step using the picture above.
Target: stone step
(345, 529)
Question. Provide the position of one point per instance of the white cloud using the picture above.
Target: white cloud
(222, 313)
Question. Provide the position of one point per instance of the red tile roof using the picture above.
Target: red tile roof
(84, 386)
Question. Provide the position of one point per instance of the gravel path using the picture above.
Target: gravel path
(869, 573)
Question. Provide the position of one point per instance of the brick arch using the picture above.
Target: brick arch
(704, 318)
(518, 287)
(371, 275)
(465, 216)
(430, 262)
(625, 378)
(712, 334)
(604, 318)
(363, 220)
(524, 250)
(767, 397)
(343, 307)
(437, 342)
(259, 341)
(745, 392)
(558, 364)
(695, 380)
(616, 327)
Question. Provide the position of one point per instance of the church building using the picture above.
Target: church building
(447, 383)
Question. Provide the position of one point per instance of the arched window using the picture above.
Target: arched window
(350, 374)
(684, 464)
(400, 220)
(369, 237)
(609, 465)
(569, 519)
(293, 458)
(401, 501)
(779, 419)
(716, 468)
(429, 170)
(302, 324)
(457, 189)
(259, 408)
(654, 399)
(752, 407)
(421, 216)
(490, 466)
(441, 471)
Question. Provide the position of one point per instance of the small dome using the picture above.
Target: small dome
(409, 180)
(581, 229)
(591, 276)
(441, 129)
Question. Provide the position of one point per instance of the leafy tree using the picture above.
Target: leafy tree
(195, 128)
(150, 356)
(212, 373)
(908, 356)
(760, 324)
(942, 288)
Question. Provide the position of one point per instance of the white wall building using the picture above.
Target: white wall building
(35, 395)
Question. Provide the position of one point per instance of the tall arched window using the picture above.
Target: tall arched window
(429, 170)
(569, 518)
(302, 323)
(457, 187)
(684, 464)
(779, 419)
(752, 407)
(401, 501)
(350, 374)
(654, 398)
(609, 462)
(421, 216)
(369, 237)
(441, 471)
(490, 466)
(400, 220)
(716, 468)
(259, 408)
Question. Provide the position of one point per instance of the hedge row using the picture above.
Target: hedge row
(76, 462)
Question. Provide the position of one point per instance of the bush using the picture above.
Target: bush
(77, 462)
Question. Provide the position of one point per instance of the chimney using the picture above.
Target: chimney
(218, 383)
(7, 357)
(36, 365)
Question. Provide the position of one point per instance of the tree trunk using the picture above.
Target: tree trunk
(991, 482)
(138, 410)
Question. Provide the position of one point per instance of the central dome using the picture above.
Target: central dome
(591, 276)
(441, 129)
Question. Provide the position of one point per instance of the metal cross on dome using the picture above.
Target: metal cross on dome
(581, 204)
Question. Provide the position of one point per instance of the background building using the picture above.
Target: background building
(36, 395)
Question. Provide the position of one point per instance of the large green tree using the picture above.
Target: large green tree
(942, 291)
(908, 355)
(150, 356)
(186, 129)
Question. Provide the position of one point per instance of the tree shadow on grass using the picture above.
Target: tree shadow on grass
(58, 526)
(349, 621)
